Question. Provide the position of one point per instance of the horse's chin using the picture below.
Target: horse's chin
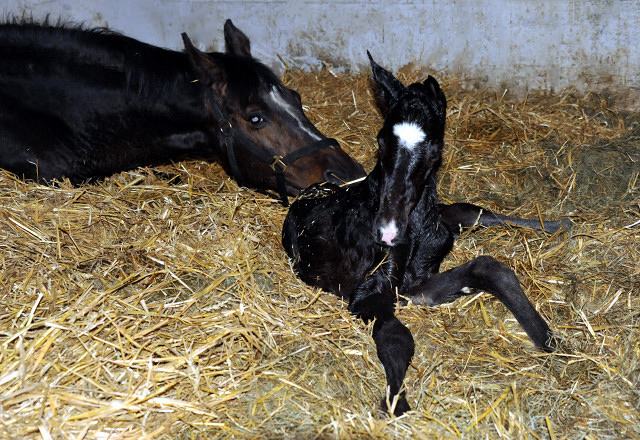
(294, 188)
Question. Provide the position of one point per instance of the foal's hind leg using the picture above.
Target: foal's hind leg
(394, 343)
(466, 215)
(487, 274)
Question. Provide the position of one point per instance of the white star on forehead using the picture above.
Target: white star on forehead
(409, 134)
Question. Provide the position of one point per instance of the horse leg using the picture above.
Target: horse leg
(395, 348)
(489, 275)
(394, 343)
(466, 215)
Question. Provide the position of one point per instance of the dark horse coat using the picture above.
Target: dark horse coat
(383, 237)
(84, 104)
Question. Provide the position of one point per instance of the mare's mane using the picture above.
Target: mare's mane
(150, 72)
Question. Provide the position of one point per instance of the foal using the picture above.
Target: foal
(383, 237)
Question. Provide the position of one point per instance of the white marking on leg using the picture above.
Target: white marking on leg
(409, 134)
(466, 290)
(389, 232)
(277, 98)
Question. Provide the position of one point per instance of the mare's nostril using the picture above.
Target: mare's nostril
(332, 176)
(344, 173)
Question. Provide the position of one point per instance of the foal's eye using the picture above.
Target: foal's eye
(256, 120)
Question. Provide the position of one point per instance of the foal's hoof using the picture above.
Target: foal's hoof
(551, 344)
(401, 406)
(555, 225)
(558, 346)
(421, 300)
(566, 223)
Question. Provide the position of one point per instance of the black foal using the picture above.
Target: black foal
(382, 237)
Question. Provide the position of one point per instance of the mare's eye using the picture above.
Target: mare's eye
(256, 120)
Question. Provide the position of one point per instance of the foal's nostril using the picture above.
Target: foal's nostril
(388, 232)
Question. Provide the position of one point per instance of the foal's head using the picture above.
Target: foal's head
(410, 147)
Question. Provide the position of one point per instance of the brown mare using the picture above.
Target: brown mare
(84, 104)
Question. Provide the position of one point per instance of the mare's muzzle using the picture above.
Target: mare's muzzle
(277, 163)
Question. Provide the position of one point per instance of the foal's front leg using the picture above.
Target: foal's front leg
(374, 299)
(466, 215)
(487, 274)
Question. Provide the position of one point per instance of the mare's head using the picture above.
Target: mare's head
(264, 121)
(409, 148)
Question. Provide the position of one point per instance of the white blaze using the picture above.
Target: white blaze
(409, 134)
(276, 97)
(389, 232)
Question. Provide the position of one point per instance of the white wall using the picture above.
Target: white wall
(519, 44)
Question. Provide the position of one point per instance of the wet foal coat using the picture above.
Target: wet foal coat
(383, 237)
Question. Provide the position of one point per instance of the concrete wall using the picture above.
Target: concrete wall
(516, 44)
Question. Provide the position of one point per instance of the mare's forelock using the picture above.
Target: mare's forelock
(246, 76)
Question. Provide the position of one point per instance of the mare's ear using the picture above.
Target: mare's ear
(433, 88)
(236, 42)
(207, 70)
(388, 85)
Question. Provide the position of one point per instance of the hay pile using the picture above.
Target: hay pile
(144, 308)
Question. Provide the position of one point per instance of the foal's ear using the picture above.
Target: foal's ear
(436, 92)
(236, 42)
(208, 72)
(388, 85)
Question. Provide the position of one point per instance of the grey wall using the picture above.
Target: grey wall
(518, 44)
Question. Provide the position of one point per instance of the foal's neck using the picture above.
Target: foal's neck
(373, 181)
(426, 210)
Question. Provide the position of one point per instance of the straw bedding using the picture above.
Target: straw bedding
(145, 307)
